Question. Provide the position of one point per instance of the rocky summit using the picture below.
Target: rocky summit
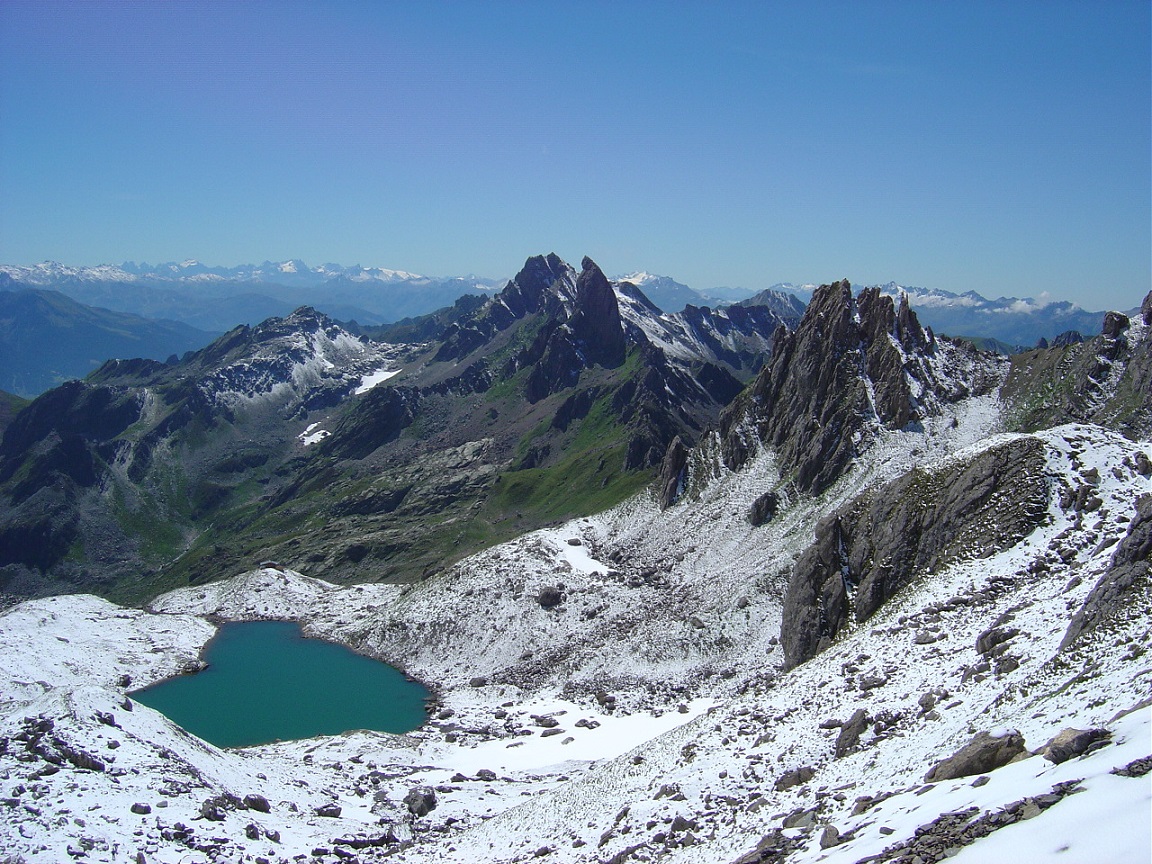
(717, 586)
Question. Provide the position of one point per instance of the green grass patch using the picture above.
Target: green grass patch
(585, 483)
(161, 538)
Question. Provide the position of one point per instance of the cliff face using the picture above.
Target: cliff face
(853, 366)
(875, 545)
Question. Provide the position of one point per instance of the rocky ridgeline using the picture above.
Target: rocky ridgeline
(854, 364)
(1106, 379)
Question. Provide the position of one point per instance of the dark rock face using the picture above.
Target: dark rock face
(672, 471)
(763, 509)
(845, 370)
(876, 544)
(1128, 577)
(801, 399)
(982, 754)
(850, 732)
(74, 409)
(381, 415)
(596, 323)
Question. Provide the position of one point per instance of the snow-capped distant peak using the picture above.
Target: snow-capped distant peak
(640, 278)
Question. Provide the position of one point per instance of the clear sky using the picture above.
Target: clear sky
(1001, 147)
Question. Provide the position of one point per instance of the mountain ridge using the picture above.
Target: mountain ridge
(546, 382)
(892, 605)
(46, 338)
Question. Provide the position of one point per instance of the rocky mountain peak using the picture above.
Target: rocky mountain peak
(541, 282)
(852, 366)
(596, 323)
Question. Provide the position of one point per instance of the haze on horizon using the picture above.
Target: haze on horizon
(995, 147)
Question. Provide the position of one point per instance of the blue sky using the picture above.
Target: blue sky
(998, 147)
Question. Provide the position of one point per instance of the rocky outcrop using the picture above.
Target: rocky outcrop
(1127, 584)
(878, 543)
(853, 365)
(984, 753)
(1105, 380)
(670, 480)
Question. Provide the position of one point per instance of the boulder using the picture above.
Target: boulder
(420, 800)
(1070, 743)
(763, 509)
(830, 837)
(993, 637)
(984, 753)
(850, 733)
(795, 777)
(549, 596)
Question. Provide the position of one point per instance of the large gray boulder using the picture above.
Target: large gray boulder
(420, 800)
(984, 753)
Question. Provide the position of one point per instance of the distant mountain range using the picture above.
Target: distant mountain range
(47, 338)
(249, 293)
(219, 298)
(209, 300)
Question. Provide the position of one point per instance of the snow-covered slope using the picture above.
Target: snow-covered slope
(296, 356)
(680, 738)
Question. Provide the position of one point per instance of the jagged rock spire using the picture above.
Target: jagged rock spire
(849, 367)
(596, 322)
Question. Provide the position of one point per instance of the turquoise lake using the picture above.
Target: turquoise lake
(265, 682)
